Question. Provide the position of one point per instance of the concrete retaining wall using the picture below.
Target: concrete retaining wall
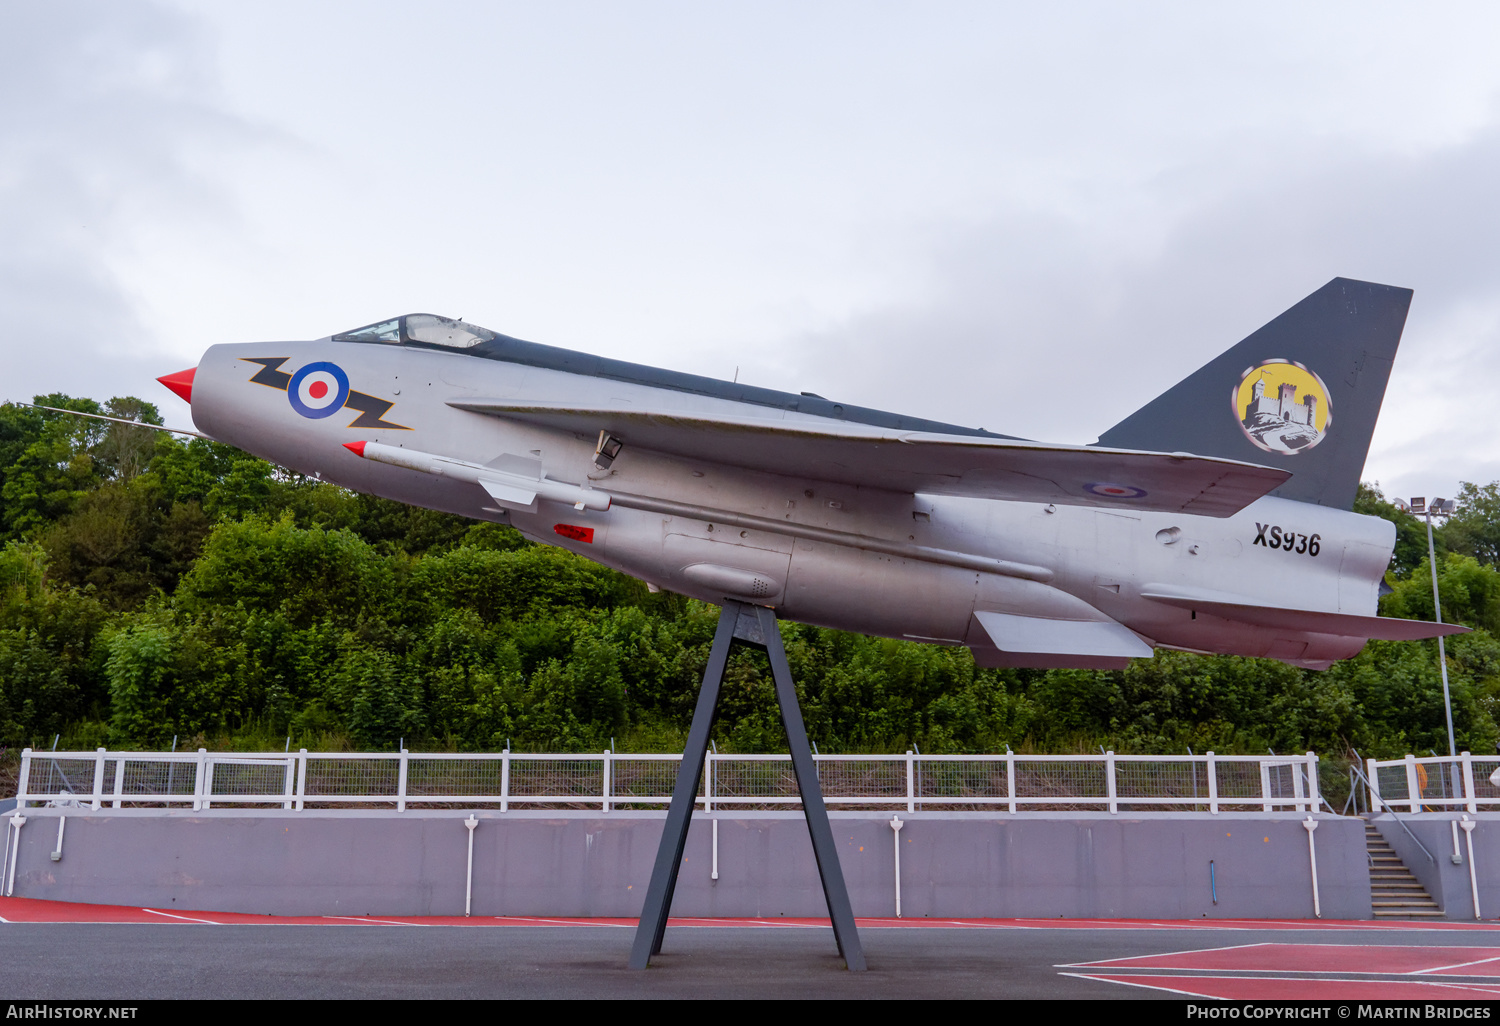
(1138, 865)
(1446, 880)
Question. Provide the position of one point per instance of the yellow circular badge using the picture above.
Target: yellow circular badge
(1282, 407)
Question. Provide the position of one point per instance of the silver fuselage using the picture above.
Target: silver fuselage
(794, 542)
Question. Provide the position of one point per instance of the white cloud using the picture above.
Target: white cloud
(103, 111)
(1020, 216)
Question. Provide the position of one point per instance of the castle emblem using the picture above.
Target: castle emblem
(1282, 407)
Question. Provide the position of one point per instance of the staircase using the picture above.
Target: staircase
(1394, 892)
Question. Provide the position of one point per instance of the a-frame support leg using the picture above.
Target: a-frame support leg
(755, 626)
(653, 923)
(834, 891)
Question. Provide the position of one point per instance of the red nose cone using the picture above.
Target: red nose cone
(181, 383)
(358, 448)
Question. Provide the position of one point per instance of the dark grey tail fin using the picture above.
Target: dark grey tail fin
(1302, 394)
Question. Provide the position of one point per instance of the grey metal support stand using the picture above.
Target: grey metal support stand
(755, 626)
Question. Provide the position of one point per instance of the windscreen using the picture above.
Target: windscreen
(385, 331)
(420, 329)
(444, 331)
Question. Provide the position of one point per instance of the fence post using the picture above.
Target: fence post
(1314, 788)
(911, 784)
(1265, 785)
(1373, 776)
(1213, 784)
(301, 778)
(607, 768)
(401, 782)
(505, 780)
(25, 781)
(1109, 781)
(1413, 789)
(289, 782)
(200, 782)
(708, 782)
(1010, 778)
(1467, 761)
(119, 778)
(98, 802)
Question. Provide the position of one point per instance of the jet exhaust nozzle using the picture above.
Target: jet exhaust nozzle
(181, 383)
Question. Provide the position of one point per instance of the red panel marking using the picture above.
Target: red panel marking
(1249, 988)
(583, 534)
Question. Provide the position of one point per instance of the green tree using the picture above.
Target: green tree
(1411, 532)
(122, 452)
(305, 575)
(1468, 589)
(1475, 529)
(52, 465)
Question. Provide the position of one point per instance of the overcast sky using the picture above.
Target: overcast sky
(1027, 217)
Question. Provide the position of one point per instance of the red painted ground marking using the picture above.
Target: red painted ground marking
(1318, 958)
(33, 910)
(778, 921)
(1241, 988)
(1235, 924)
(557, 921)
(177, 918)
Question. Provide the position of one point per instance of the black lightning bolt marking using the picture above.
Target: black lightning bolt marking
(370, 411)
(268, 374)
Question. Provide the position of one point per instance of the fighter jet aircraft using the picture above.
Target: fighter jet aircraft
(1214, 519)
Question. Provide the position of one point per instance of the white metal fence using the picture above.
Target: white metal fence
(1014, 783)
(1437, 784)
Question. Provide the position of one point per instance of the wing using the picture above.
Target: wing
(1040, 642)
(935, 464)
(1312, 621)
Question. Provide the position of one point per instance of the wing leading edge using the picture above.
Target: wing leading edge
(913, 461)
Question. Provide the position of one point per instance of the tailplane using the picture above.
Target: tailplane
(1301, 394)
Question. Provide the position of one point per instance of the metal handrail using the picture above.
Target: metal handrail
(1377, 796)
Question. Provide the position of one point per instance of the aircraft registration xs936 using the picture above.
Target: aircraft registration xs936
(1214, 519)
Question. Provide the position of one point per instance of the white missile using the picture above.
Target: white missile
(511, 489)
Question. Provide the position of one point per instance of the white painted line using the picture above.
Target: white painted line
(1401, 978)
(540, 921)
(1143, 986)
(186, 919)
(1166, 954)
(1458, 965)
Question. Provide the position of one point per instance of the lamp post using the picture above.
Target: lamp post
(1442, 508)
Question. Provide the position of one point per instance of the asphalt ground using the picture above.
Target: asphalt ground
(177, 956)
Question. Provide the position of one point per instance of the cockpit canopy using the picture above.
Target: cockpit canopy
(420, 329)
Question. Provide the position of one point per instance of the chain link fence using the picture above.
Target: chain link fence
(1438, 784)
